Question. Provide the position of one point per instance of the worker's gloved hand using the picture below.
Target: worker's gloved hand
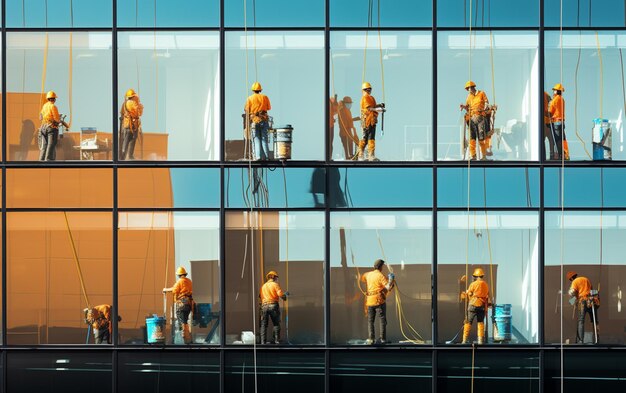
(287, 293)
(164, 290)
(391, 277)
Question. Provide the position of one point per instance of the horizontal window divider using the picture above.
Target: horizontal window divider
(168, 209)
(583, 209)
(275, 28)
(488, 28)
(381, 209)
(127, 29)
(275, 209)
(59, 209)
(382, 28)
(57, 29)
(56, 164)
(488, 209)
(583, 28)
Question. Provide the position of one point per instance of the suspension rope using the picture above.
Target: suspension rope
(562, 169)
(380, 48)
(76, 260)
(601, 68)
(156, 71)
(345, 130)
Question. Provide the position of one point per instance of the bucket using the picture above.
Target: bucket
(247, 337)
(203, 314)
(602, 140)
(282, 142)
(502, 316)
(155, 327)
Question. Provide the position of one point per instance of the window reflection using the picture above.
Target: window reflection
(463, 13)
(606, 374)
(488, 240)
(505, 66)
(163, 13)
(273, 13)
(400, 13)
(404, 240)
(152, 245)
(58, 13)
(585, 187)
(290, 244)
(584, 13)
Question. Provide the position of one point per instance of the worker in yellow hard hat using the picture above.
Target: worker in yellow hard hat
(587, 302)
(347, 132)
(478, 117)
(270, 295)
(477, 296)
(99, 317)
(378, 285)
(130, 115)
(256, 108)
(556, 108)
(49, 130)
(369, 119)
(183, 298)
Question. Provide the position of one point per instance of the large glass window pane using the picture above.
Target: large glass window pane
(149, 372)
(589, 243)
(74, 65)
(492, 187)
(165, 13)
(362, 371)
(503, 64)
(584, 13)
(151, 246)
(399, 13)
(176, 76)
(58, 263)
(274, 13)
(505, 245)
(60, 188)
(585, 187)
(59, 13)
(597, 370)
(290, 69)
(465, 13)
(38, 371)
(290, 244)
(591, 74)
(404, 241)
(389, 63)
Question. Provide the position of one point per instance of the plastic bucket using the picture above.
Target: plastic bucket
(282, 143)
(601, 139)
(155, 329)
(502, 318)
(203, 311)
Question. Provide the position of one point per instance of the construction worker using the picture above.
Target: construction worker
(556, 108)
(547, 132)
(49, 130)
(478, 118)
(369, 119)
(182, 292)
(587, 301)
(378, 285)
(270, 295)
(256, 109)
(130, 115)
(333, 108)
(347, 132)
(477, 296)
(99, 317)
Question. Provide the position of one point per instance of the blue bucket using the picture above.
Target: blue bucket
(203, 311)
(502, 316)
(155, 329)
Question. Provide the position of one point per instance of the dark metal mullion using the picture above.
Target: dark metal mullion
(222, 214)
(115, 218)
(3, 290)
(434, 254)
(327, 303)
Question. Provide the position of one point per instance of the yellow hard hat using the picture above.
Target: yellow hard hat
(130, 93)
(347, 100)
(51, 94)
(256, 86)
(366, 85)
(558, 87)
(478, 272)
(181, 271)
(271, 274)
(470, 84)
(570, 275)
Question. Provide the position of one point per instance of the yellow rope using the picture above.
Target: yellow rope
(69, 84)
(76, 261)
(380, 48)
(601, 72)
(493, 72)
(44, 70)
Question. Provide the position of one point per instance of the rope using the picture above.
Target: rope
(69, 83)
(287, 252)
(562, 152)
(156, 71)
(380, 48)
(341, 120)
(76, 261)
(473, 352)
(44, 70)
(601, 68)
(145, 265)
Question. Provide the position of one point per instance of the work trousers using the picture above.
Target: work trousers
(127, 143)
(183, 308)
(347, 143)
(477, 313)
(102, 336)
(371, 317)
(49, 136)
(558, 134)
(585, 307)
(548, 134)
(270, 311)
(479, 127)
(260, 139)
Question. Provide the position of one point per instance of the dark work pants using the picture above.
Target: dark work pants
(270, 311)
(584, 308)
(127, 143)
(559, 136)
(102, 336)
(182, 313)
(477, 313)
(49, 138)
(371, 317)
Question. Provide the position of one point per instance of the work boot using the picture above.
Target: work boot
(371, 146)
(483, 158)
(276, 335)
(481, 333)
(369, 341)
(466, 332)
(473, 158)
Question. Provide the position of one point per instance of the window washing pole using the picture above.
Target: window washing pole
(76, 260)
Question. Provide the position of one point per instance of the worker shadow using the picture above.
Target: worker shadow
(336, 196)
(27, 135)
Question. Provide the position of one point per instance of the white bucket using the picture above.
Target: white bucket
(247, 337)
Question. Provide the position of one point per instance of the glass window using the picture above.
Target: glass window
(305, 187)
(514, 372)
(74, 65)
(592, 77)
(592, 246)
(598, 370)
(58, 263)
(151, 246)
(463, 13)
(59, 13)
(168, 187)
(404, 240)
(503, 64)
(163, 13)
(274, 13)
(585, 187)
(399, 13)
(290, 69)
(380, 187)
(585, 13)
(390, 63)
(290, 244)
(505, 246)
(176, 77)
(406, 372)
(60, 188)
(184, 372)
(493, 187)
(38, 371)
